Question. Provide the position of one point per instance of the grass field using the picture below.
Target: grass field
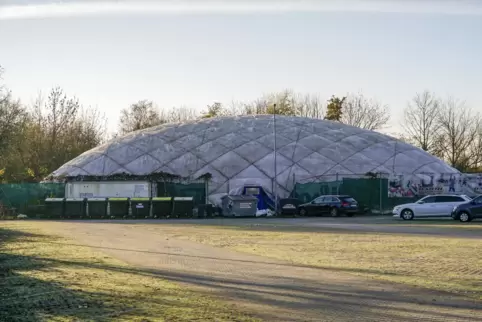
(433, 262)
(45, 281)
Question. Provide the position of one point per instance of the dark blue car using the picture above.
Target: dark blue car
(329, 205)
(468, 211)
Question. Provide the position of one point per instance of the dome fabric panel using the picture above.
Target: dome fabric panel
(232, 149)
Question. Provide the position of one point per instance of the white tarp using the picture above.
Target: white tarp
(237, 150)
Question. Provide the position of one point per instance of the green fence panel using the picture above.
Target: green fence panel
(25, 196)
(370, 193)
(309, 191)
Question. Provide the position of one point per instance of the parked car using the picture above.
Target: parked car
(430, 206)
(468, 211)
(333, 205)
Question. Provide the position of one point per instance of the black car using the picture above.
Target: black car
(467, 211)
(330, 205)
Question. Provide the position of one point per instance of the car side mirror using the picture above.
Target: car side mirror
(473, 202)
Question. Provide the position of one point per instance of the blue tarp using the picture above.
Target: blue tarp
(265, 201)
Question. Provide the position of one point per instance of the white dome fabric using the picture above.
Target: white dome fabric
(240, 150)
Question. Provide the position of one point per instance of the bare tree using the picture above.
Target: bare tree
(36, 141)
(138, 116)
(475, 153)
(310, 105)
(459, 128)
(179, 114)
(420, 123)
(61, 113)
(12, 116)
(399, 136)
(57, 130)
(287, 102)
(12, 121)
(235, 108)
(259, 106)
(50, 144)
(364, 113)
(2, 86)
(87, 131)
(144, 114)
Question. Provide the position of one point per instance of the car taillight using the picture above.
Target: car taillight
(345, 204)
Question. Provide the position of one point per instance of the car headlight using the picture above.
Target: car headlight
(397, 208)
(455, 208)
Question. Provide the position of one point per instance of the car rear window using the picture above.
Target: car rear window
(348, 199)
(449, 199)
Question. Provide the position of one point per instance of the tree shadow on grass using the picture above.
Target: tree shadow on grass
(301, 295)
(298, 293)
(26, 296)
(342, 301)
(264, 261)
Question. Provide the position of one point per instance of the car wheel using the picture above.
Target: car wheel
(407, 214)
(334, 212)
(464, 217)
(303, 212)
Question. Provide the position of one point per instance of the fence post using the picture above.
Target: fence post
(206, 187)
(337, 185)
(380, 184)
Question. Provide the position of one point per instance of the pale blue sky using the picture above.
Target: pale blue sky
(111, 59)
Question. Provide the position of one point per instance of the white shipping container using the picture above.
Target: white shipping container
(111, 189)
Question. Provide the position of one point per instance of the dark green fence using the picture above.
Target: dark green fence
(370, 193)
(309, 191)
(27, 198)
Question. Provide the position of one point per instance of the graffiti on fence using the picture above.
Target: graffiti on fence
(422, 184)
